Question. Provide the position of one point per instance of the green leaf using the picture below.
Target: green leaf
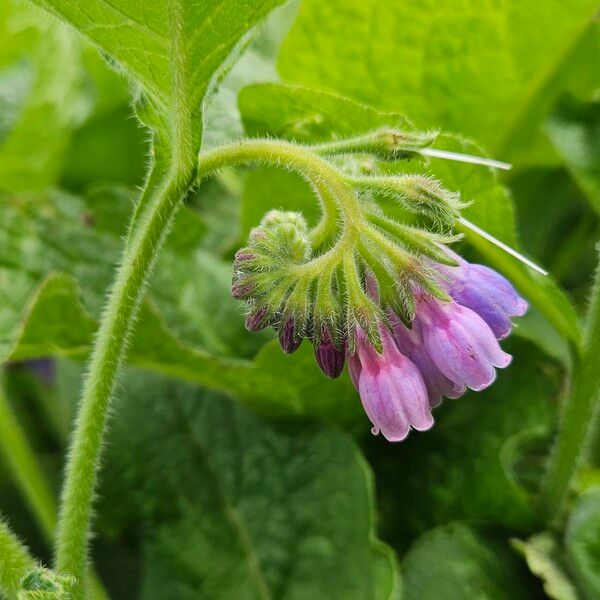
(582, 542)
(309, 115)
(456, 562)
(486, 71)
(40, 97)
(56, 259)
(543, 555)
(575, 132)
(481, 457)
(266, 510)
(175, 49)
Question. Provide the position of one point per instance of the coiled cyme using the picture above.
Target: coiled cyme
(415, 321)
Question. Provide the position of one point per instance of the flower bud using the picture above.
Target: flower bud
(288, 336)
(329, 358)
(242, 288)
(257, 319)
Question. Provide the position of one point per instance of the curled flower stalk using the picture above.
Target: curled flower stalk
(415, 321)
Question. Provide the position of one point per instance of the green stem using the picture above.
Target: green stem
(334, 193)
(109, 349)
(15, 562)
(578, 416)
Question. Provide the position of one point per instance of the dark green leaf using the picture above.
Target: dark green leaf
(455, 562)
(237, 507)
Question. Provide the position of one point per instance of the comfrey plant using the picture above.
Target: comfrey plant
(414, 320)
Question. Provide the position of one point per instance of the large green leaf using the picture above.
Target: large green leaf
(173, 48)
(486, 70)
(233, 506)
(56, 259)
(456, 562)
(310, 115)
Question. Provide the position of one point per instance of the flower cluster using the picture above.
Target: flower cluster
(414, 320)
(450, 346)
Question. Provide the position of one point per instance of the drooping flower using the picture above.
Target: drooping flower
(485, 292)
(391, 387)
(410, 343)
(460, 343)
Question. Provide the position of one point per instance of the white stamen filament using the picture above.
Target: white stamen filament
(466, 158)
(502, 245)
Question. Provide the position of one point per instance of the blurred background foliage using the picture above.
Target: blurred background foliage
(232, 470)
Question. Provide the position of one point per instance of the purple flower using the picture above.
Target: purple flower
(485, 292)
(410, 343)
(329, 358)
(460, 343)
(391, 388)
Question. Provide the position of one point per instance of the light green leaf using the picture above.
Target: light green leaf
(542, 553)
(486, 70)
(266, 510)
(582, 542)
(575, 132)
(40, 97)
(455, 562)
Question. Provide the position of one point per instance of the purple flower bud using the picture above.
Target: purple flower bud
(257, 319)
(288, 339)
(391, 388)
(410, 343)
(460, 343)
(242, 256)
(241, 288)
(329, 358)
(485, 292)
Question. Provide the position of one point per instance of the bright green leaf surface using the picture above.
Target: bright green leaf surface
(456, 562)
(483, 69)
(266, 510)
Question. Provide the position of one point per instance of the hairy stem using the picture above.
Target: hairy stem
(15, 562)
(108, 353)
(578, 416)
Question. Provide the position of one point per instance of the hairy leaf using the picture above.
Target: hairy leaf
(56, 260)
(485, 70)
(266, 510)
